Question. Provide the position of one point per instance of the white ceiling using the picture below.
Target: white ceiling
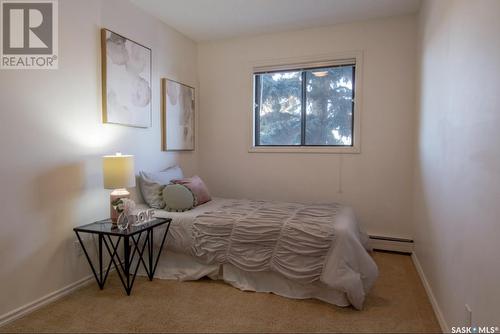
(204, 20)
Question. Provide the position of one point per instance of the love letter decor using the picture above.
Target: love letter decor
(139, 217)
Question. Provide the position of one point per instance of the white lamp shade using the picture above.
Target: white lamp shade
(118, 171)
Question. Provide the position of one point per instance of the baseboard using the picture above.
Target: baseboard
(430, 294)
(32, 306)
(397, 245)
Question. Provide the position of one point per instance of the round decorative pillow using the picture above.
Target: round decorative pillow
(178, 198)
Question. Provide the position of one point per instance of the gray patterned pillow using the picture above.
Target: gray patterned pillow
(152, 193)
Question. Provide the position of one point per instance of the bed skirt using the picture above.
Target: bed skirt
(176, 266)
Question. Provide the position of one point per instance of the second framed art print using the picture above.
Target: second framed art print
(178, 116)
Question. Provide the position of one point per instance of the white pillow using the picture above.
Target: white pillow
(164, 177)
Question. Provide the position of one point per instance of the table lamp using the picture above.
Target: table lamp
(119, 173)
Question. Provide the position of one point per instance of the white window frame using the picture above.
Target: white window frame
(304, 63)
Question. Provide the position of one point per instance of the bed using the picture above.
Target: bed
(289, 249)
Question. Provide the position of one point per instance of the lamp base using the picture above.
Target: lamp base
(116, 195)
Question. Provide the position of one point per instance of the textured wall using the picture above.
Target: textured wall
(458, 163)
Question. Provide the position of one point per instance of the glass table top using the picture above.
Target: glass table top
(107, 227)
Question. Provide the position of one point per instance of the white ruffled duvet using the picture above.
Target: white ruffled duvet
(304, 243)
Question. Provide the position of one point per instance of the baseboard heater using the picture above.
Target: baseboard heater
(389, 244)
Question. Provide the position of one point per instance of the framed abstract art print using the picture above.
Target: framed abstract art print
(126, 81)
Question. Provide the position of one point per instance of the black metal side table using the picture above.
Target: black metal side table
(133, 244)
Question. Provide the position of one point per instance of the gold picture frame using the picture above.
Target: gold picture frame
(178, 116)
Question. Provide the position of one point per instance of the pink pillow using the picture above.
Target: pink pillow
(197, 187)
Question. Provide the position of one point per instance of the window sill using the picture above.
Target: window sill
(305, 149)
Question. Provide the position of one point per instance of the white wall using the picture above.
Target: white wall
(457, 185)
(377, 182)
(52, 138)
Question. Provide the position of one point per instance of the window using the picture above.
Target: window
(305, 107)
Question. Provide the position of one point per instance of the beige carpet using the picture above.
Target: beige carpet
(397, 303)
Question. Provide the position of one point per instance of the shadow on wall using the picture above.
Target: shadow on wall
(56, 190)
(135, 192)
(34, 244)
